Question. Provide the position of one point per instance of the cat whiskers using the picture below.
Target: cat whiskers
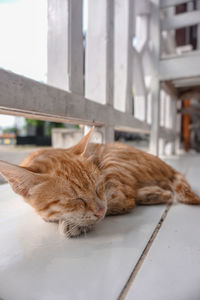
(71, 231)
(85, 232)
(67, 228)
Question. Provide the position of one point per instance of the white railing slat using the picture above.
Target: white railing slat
(76, 47)
(130, 34)
(181, 20)
(58, 39)
(96, 52)
(168, 3)
(110, 51)
(65, 45)
(184, 66)
(155, 85)
(198, 27)
(123, 54)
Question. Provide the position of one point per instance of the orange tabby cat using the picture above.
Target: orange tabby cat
(78, 186)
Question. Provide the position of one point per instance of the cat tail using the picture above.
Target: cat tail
(183, 191)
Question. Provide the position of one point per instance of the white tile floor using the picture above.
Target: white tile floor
(37, 264)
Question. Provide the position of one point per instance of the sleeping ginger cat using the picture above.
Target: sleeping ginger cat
(77, 187)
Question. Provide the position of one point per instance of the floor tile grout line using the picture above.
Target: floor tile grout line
(137, 267)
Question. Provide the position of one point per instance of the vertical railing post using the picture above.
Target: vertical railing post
(168, 123)
(141, 59)
(155, 111)
(178, 125)
(130, 33)
(108, 133)
(76, 47)
(174, 123)
(162, 121)
(58, 39)
(155, 39)
(65, 45)
(198, 28)
(100, 57)
(124, 31)
(109, 51)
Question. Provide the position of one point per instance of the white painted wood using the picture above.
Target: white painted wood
(167, 3)
(155, 86)
(139, 86)
(138, 76)
(180, 67)
(149, 108)
(166, 133)
(108, 131)
(110, 51)
(146, 108)
(58, 44)
(65, 45)
(168, 112)
(139, 107)
(26, 97)
(99, 79)
(161, 146)
(130, 53)
(155, 125)
(168, 121)
(142, 7)
(168, 124)
(171, 268)
(181, 20)
(198, 27)
(147, 65)
(141, 26)
(178, 128)
(100, 57)
(96, 51)
(174, 123)
(162, 108)
(186, 82)
(124, 30)
(109, 134)
(76, 47)
(142, 60)
(38, 264)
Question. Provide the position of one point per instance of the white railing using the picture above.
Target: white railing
(171, 67)
(93, 82)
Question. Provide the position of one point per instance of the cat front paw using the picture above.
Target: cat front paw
(72, 230)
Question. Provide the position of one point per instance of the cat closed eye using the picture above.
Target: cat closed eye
(99, 191)
(82, 200)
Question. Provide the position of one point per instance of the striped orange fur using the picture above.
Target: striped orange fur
(77, 187)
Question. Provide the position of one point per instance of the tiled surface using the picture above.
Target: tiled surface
(36, 264)
(171, 269)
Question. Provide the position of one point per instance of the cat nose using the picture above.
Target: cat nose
(99, 213)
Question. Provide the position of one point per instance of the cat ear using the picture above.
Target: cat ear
(81, 147)
(20, 179)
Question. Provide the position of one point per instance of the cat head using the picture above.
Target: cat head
(62, 185)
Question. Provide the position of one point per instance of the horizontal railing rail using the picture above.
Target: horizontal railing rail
(168, 3)
(23, 96)
(181, 20)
